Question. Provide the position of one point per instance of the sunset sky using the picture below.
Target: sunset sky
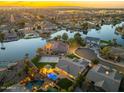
(83, 3)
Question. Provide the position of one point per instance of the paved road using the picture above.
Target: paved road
(110, 64)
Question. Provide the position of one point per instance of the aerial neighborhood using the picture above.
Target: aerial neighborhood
(61, 50)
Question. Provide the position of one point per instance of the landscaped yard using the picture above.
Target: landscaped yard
(64, 83)
(72, 56)
(36, 62)
(106, 42)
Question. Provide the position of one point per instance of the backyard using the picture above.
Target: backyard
(64, 83)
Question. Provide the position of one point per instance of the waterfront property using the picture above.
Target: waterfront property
(23, 44)
(92, 41)
(105, 78)
(51, 66)
(10, 36)
(57, 47)
(31, 35)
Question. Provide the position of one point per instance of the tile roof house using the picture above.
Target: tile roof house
(12, 36)
(60, 47)
(92, 41)
(105, 78)
(56, 47)
(72, 68)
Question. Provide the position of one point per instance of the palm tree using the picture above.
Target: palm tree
(105, 51)
(80, 79)
(2, 36)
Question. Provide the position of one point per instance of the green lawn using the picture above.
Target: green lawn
(105, 41)
(36, 62)
(72, 56)
(64, 83)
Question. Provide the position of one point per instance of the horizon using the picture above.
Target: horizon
(82, 4)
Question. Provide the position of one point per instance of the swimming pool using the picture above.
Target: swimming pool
(52, 76)
(34, 83)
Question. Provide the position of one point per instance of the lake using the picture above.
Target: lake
(16, 50)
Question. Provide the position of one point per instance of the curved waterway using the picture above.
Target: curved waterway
(16, 50)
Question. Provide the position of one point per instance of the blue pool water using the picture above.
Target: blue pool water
(52, 76)
(34, 83)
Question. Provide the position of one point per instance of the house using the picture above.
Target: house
(105, 78)
(92, 41)
(10, 36)
(60, 47)
(31, 35)
(45, 27)
(57, 47)
(70, 68)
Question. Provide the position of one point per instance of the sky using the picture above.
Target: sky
(82, 3)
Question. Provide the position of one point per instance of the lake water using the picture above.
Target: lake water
(16, 50)
(107, 32)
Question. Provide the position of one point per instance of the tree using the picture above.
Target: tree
(94, 61)
(77, 36)
(55, 38)
(79, 39)
(81, 42)
(39, 51)
(58, 37)
(2, 37)
(80, 79)
(105, 51)
(65, 36)
(72, 42)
